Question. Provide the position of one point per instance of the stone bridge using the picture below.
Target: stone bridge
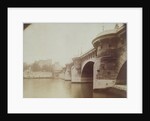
(105, 65)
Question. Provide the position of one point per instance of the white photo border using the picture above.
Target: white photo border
(18, 104)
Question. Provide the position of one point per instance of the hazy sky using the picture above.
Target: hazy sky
(59, 41)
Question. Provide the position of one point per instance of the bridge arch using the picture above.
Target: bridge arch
(121, 77)
(87, 72)
(85, 62)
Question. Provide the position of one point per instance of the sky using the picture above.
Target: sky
(59, 41)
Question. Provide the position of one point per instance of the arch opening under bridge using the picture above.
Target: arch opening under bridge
(87, 72)
(122, 75)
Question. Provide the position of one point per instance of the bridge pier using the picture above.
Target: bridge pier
(111, 51)
(76, 70)
(62, 75)
(68, 72)
(104, 73)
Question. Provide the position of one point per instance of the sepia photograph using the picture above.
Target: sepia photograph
(74, 60)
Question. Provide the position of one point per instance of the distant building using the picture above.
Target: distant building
(44, 62)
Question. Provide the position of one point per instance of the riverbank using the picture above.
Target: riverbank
(37, 75)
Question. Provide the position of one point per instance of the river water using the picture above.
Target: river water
(58, 88)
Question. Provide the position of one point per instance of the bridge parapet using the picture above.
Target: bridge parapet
(88, 55)
(110, 35)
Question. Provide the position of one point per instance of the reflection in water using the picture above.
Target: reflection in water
(58, 88)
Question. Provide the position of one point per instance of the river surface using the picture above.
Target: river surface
(58, 88)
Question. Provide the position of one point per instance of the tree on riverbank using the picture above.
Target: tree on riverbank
(26, 66)
(47, 68)
(35, 67)
(39, 66)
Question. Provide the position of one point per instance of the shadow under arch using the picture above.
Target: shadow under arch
(87, 72)
(122, 75)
